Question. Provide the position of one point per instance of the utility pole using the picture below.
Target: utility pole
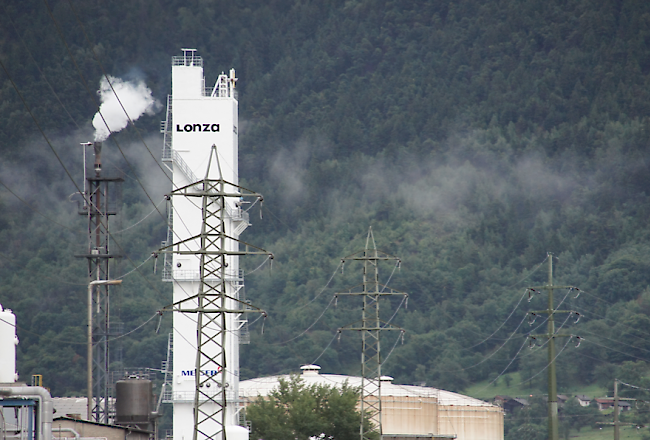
(551, 335)
(616, 424)
(371, 327)
(101, 200)
(216, 301)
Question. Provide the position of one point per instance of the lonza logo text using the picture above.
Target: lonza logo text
(193, 128)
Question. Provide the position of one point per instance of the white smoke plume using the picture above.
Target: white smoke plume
(135, 97)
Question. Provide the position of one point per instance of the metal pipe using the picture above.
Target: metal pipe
(75, 433)
(45, 407)
(89, 354)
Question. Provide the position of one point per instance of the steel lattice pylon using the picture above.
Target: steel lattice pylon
(371, 327)
(102, 196)
(213, 302)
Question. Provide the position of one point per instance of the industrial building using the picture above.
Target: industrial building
(407, 410)
(28, 412)
(208, 211)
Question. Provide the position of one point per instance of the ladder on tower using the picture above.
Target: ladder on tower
(166, 394)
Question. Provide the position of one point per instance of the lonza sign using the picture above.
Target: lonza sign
(195, 128)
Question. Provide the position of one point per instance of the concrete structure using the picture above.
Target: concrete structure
(202, 251)
(407, 410)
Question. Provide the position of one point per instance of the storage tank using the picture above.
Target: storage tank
(8, 342)
(134, 403)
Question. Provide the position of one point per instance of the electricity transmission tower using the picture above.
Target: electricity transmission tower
(216, 298)
(550, 335)
(101, 200)
(371, 327)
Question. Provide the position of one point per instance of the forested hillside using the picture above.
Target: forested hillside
(474, 137)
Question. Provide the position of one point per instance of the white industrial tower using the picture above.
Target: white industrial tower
(202, 251)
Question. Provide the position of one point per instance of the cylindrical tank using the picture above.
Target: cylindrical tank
(133, 402)
(8, 342)
(235, 432)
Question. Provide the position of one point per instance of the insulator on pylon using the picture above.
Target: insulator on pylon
(579, 341)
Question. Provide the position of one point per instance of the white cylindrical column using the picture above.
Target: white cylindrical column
(8, 342)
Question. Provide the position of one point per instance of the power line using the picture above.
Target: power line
(30, 206)
(6, 13)
(308, 328)
(158, 313)
(617, 351)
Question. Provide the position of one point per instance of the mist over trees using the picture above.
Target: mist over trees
(474, 137)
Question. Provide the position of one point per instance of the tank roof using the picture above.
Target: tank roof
(263, 386)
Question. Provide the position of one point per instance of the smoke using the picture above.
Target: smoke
(134, 96)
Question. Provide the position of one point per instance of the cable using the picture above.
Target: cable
(547, 365)
(36, 210)
(63, 341)
(38, 125)
(397, 264)
(616, 322)
(258, 267)
(6, 13)
(135, 268)
(396, 310)
(92, 48)
(308, 328)
(321, 290)
(502, 324)
(158, 313)
(489, 356)
(52, 147)
(325, 349)
(616, 341)
(516, 306)
(99, 112)
(505, 369)
(617, 351)
(394, 345)
(632, 386)
(143, 219)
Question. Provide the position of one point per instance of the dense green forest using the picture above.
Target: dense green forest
(474, 137)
